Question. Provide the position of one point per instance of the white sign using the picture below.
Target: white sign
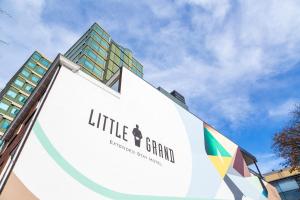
(89, 140)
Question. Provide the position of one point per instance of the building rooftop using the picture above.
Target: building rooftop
(280, 174)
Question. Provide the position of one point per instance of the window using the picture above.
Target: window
(102, 52)
(31, 64)
(19, 82)
(41, 70)
(118, 52)
(96, 37)
(99, 40)
(5, 124)
(126, 59)
(98, 72)
(112, 66)
(22, 99)
(288, 184)
(45, 62)
(104, 43)
(105, 36)
(25, 73)
(102, 33)
(97, 48)
(108, 75)
(95, 58)
(35, 79)
(36, 56)
(29, 88)
(14, 111)
(88, 64)
(4, 106)
(139, 74)
(11, 93)
(91, 54)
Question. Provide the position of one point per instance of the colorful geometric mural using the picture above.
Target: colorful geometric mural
(217, 154)
(240, 165)
(237, 181)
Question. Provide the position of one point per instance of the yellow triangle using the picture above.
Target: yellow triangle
(221, 164)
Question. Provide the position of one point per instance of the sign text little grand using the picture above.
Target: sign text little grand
(113, 127)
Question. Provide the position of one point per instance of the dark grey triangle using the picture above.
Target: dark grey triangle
(238, 195)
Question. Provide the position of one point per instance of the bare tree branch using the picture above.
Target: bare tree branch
(286, 143)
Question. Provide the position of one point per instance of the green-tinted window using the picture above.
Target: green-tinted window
(126, 59)
(88, 64)
(22, 99)
(41, 70)
(4, 124)
(31, 64)
(3, 106)
(36, 56)
(117, 60)
(19, 83)
(95, 58)
(11, 93)
(102, 33)
(113, 47)
(99, 40)
(35, 79)
(118, 52)
(45, 62)
(103, 52)
(29, 88)
(108, 74)
(97, 48)
(98, 72)
(96, 37)
(14, 111)
(106, 36)
(91, 54)
(100, 61)
(25, 73)
(112, 66)
(104, 43)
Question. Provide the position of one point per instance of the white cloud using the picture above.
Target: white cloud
(268, 162)
(161, 8)
(25, 31)
(217, 52)
(284, 109)
(217, 8)
(224, 59)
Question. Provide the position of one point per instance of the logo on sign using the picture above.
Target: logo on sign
(117, 129)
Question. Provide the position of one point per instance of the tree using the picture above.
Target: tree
(286, 143)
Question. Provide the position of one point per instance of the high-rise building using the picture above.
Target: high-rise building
(100, 56)
(95, 51)
(20, 87)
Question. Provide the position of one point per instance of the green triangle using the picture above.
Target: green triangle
(212, 146)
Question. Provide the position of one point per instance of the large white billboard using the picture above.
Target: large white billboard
(90, 142)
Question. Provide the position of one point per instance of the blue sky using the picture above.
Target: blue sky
(236, 62)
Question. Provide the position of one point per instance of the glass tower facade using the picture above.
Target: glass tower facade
(20, 87)
(100, 56)
(95, 51)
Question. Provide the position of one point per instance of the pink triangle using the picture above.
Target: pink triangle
(240, 164)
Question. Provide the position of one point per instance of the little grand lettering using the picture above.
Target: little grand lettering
(108, 125)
